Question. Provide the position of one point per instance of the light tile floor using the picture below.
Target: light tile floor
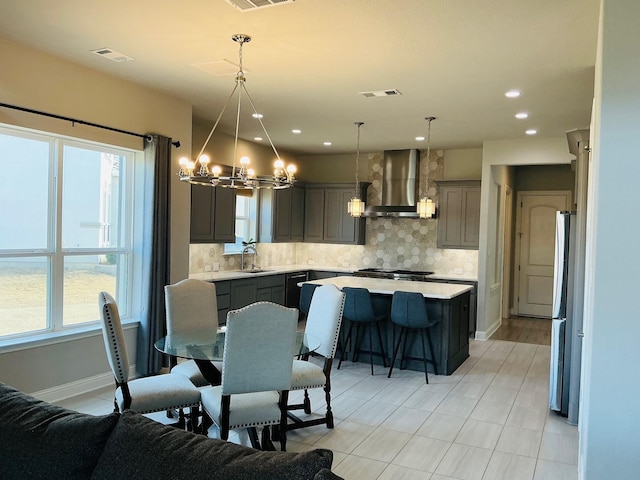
(487, 421)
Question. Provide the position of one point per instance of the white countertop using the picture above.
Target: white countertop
(279, 269)
(440, 291)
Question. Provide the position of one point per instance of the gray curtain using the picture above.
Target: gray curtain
(156, 248)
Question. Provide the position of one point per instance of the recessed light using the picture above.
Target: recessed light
(513, 94)
(531, 131)
(327, 144)
(257, 139)
(257, 115)
(420, 139)
(522, 115)
(296, 131)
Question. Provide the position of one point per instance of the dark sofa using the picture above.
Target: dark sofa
(42, 441)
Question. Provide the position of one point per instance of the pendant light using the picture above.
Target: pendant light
(356, 206)
(242, 176)
(426, 207)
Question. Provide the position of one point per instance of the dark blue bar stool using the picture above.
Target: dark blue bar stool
(358, 309)
(306, 292)
(409, 311)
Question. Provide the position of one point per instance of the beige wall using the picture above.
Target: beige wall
(463, 164)
(43, 82)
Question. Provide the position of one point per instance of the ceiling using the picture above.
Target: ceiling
(308, 61)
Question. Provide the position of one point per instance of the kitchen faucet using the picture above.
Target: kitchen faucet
(249, 249)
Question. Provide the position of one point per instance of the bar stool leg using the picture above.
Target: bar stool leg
(371, 347)
(347, 341)
(424, 355)
(382, 352)
(433, 356)
(395, 351)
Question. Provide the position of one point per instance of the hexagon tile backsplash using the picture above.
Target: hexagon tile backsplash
(406, 243)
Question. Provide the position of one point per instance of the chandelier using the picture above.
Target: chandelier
(426, 207)
(242, 176)
(356, 206)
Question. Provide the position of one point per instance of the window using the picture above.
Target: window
(66, 224)
(245, 221)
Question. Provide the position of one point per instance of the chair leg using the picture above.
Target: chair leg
(355, 355)
(307, 402)
(433, 356)
(395, 351)
(284, 400)
(267, 444)
(371, 348)
(253, 438)
(424, 356)
(382, 352)
(404, 348)
(224, 417)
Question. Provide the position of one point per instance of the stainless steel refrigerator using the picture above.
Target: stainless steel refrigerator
(566, 330)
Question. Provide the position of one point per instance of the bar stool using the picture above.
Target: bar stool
(409, 311)
(306, 293)
(358, 309)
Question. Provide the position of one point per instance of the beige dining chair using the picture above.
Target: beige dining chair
(256, 373)
(143, 395)
(191, 305)
(323, 323)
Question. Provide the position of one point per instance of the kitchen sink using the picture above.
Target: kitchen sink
(254, 270)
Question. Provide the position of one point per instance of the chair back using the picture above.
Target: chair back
(408, 309)
(191, 304)
(113, 338)
(325, 318)
(259, 348)
(306, 294)
(357, 305)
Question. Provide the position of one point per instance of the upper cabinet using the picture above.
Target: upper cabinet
(458, 214)
(282, 215)
(213, 214)
(326, 217)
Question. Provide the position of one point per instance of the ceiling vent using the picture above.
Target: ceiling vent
(245, 5)
(381, 93)
(219, 68)
(112, 55)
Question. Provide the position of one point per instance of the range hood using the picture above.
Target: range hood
(400, 181)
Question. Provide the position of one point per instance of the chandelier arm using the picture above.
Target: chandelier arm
(264, 129)
(217, 121)
(235, 143)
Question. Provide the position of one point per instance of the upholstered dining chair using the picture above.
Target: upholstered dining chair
(323, 323)
(191, 305)
(409, 311)
(256, 373)
(358, 309)
(144, 395)
(306, 294)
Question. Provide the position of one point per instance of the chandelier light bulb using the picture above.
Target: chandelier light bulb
(291, 169)
(216, 171)
(251, 173)
(183, 162)
(245, 161)
(204, 159)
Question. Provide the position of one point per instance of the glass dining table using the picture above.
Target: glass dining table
(207, 345)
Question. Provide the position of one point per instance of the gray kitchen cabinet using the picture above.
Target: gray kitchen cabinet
(243, 292)
(281, 215)
(213, 215)
(326, 217)
(458, 214)
(473, 300)
(223, 298)
(271, 289)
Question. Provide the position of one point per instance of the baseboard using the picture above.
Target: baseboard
(486, 334)
(79, 387)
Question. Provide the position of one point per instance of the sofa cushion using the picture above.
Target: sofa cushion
(39, 440)
(140, 448)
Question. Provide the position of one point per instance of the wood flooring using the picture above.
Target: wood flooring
(525, 330)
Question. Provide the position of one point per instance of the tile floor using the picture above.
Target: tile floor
(487, 421)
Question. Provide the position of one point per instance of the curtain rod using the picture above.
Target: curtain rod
(82, 122)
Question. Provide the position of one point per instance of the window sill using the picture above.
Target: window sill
(52, 338)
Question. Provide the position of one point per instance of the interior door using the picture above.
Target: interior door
(537, 227)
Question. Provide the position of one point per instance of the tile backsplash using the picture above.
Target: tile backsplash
(390, 242)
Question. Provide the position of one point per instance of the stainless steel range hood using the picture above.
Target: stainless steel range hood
(400, 181)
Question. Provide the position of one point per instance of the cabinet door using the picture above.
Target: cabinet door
(264, 295)
(202, 207)
(339, 226)
(470, 234)
(243, 292)
(450, 219)
(297, 214)
(225, 215)
(282, 215)
(314, 215)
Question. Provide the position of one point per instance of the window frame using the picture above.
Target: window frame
(54, 254)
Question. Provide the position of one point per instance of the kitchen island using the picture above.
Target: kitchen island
(445, 301)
